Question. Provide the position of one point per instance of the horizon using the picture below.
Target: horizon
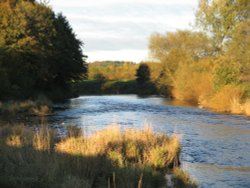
(120, 30)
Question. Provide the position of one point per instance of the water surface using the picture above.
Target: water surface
(215, 147)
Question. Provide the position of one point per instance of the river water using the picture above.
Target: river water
(215, 147)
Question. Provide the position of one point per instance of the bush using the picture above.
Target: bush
(193, 83)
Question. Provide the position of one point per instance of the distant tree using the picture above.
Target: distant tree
(112, 70)
(143, 73)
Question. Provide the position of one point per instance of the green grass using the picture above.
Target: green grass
(114, 87)
(108, 158)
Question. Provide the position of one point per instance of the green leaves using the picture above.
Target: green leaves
(41, 51)
(221, 18)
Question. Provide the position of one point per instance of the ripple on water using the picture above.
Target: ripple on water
(215, 147)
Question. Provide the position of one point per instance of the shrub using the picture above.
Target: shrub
(193, 83)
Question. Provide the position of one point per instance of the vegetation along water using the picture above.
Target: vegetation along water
(57, 112)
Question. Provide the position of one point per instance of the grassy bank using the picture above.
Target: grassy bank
(39, 107)
(108, 158)
(114, 87)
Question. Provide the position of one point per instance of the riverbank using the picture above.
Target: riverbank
(226, 101)
(108, 158)
(100, 87)
(39, 107)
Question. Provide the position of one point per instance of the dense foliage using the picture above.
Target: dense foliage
(112, 70)
(39, 52)
(210, 67)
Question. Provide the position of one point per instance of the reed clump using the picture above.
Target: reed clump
(110, 157)
(132, 146)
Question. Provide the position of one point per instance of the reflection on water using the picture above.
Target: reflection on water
(216, 147)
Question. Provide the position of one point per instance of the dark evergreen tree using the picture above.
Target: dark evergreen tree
(143, 73)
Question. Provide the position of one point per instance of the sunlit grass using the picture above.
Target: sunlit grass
(139, 147)
(110, 157)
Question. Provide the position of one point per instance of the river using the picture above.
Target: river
(215, 147)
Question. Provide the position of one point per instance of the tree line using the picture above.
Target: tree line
(39, 52)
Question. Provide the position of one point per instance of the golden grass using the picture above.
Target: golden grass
(132, 145)
(14, 141)
(43, 140)
(109, 157)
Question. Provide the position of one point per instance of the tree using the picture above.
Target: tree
(220, 19)
(173, 49)
(228, 24)
(239, 47)
(143, 73)
(67, 60)
(40, 50)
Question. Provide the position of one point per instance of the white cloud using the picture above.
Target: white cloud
(85, 3)
(120, 55)
(111, 27)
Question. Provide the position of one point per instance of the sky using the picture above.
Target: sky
(120, 29)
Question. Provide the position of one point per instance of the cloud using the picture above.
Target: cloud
(114, 26)
(86, 3)
(109, 44)
(120, 55)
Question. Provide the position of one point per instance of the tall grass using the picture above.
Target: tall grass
(40, 107)
(137, 147)
(107, 158)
